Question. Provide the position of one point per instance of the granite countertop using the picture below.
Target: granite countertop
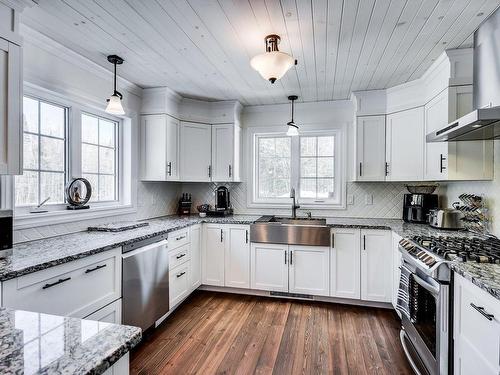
(37, 255)
(35, 343)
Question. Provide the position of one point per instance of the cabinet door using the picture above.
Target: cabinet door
(436, 153)
(222, 152)
(195, 152)
(309, 271)
(376, 265)
(237, 257)
(396, 272)
(195, 248)
(405, 145)
(172, 157)
(213, 255)
(471, 160)
(370, 145)
(153, 146)
(269, 267)
(476, 338)
(345, 263)
(11, 117)
(179, 286)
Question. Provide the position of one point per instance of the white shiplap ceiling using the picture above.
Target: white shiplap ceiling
(202, 48)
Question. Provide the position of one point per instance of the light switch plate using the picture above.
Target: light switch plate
(368, 199)
(350, 199)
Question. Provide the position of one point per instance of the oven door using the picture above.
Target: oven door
(428, 328)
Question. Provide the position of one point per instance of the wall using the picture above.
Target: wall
(51, 66)
(387, 197)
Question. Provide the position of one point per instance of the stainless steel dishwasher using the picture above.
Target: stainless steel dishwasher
(145, 289)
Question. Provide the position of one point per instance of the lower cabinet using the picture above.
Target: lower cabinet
(237, 256)
(376, 265)
(345, 263)
(213, 255)
(476, 330)
(269, 267)
(294, 269)
(195, 249)
(179, 283)
(111, 313)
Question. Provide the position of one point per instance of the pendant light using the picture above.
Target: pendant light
(272, 64)
(114, 106)
(293, 128)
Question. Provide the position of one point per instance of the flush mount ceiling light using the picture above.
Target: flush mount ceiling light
(272, 64)
(114, 106)
(293, 128)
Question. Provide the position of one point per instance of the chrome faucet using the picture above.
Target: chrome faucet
(295, 204)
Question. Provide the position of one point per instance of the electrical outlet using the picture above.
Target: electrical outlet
(368, 199)
(350, 199)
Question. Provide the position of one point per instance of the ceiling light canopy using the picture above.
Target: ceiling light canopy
(293, 128)
(272, 64)
(114, 106)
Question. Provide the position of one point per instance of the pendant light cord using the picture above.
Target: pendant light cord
(292, 109)
(115, 78)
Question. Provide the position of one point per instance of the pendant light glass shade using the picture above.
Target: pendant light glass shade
(272, 64)
(115, 105)
(293, 128)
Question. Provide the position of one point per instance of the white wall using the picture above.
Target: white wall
(51, 66)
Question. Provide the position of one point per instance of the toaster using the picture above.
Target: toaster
(448, 218)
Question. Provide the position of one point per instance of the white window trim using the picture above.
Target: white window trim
(57, 212)
(338, 203)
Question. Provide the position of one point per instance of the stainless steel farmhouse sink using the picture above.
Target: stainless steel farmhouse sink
(283, 230)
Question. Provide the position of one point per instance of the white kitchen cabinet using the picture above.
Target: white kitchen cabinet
(309, 270)
(345, 263)
(111, 313)
(405, 145)
(195, 152)
(75, 289)
(237, 256)
(472, 160)
(11, 117)
(370, 148)
(269, 267)
(376, 265)
(396, 270)
(213, 255)
(225, 152)
(476, 330)
(160, 148)
(195, 249)
(179, 283)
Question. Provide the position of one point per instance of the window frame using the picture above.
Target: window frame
(338, 201)
(58, 213)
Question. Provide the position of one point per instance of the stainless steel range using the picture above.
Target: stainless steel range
(424, 297)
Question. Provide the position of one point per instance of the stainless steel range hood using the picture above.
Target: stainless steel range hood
(483, 123)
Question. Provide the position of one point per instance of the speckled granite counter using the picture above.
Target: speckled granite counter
(37, 255)
(34, 343)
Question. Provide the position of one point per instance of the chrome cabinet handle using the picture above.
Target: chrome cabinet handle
(180, 274)
(180, 256)
(360, 169)
(386, 169)
(169, 170)
(482, 311)
(95, 268)
(230, 170)
(209, 171)
(180, 238)
(333, 240)
(246, 236)
(441, 166)
(285, 255)
(291, 257)
(364, 242)
(60, 281)
(221, 235)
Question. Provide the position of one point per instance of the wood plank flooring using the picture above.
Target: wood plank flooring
(218, 333)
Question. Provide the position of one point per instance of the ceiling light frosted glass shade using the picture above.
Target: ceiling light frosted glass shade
(115, 105)
(272, 65)
(293, 131)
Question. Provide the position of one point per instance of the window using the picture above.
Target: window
(317, 166)
(99, 156)
(311, 163)
(44, 133)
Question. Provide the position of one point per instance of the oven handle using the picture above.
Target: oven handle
(402, 335)
(424, 284)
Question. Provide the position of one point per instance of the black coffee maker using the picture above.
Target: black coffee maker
(222, 203)
(416, 207)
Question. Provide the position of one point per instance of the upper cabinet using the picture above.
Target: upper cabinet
(405, 145)
(189, 140)
(11, 89)
(160, 148)
(370, 148)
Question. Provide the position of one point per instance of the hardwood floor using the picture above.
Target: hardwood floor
(218, 333)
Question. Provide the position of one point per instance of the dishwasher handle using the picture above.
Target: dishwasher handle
(144, 248)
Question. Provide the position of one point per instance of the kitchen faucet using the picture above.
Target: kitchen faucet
(294, 204)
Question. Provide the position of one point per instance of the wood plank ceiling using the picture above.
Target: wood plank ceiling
(202, 48)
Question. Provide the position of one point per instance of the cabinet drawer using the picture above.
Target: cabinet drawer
(75, 289)
(179, 284)
(178, 256)
(178, 238)
(111, 313)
